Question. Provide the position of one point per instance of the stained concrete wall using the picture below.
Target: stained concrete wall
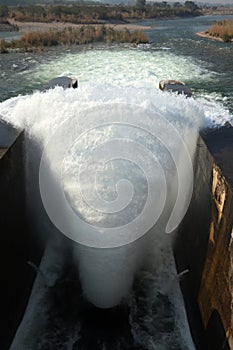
(16, 245)
(216, 290)
(204, 244)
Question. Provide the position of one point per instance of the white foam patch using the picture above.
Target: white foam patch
(216, 114)
(106, 78)
(55, 106)
(159, 288)
(44, 113)
(134, 67)
(139, 67)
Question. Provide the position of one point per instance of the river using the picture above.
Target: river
(175, 52)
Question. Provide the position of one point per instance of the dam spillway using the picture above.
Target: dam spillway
(152, 317)
(202, 245)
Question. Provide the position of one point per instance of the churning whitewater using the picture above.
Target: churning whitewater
(110, 166)
(75, 125)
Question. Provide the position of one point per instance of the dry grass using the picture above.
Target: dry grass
(222, 29)
(74, 36)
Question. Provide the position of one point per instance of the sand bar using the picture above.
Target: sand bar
(207, 36)
(35, 26)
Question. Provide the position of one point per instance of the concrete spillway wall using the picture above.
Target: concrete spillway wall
(16, 244)
(203, 243)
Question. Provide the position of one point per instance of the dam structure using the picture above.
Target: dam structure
(204, 242)
(35, 266)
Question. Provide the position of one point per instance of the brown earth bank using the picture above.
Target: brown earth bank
(207, 36)
(221, 30)
(24, 27)
(43, 39)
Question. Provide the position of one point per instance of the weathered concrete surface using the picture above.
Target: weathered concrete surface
(8, 136)
(16, 245)
(204, 244)
(216, 290)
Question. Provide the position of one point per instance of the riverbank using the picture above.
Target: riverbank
(217, 11)
(207, 36)
(39, 40)
(220, 31)
(24, 27)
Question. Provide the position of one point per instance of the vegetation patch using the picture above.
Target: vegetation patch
(222, 29)
(73, 36)
(86, 13)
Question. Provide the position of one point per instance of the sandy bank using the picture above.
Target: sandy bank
(207, 36)
(34, 26)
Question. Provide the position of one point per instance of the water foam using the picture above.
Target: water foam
(105, 278)
(128, 76)
(128, 67)
(135, 67)
(107, 274)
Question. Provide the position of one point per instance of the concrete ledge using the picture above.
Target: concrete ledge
(8, 136)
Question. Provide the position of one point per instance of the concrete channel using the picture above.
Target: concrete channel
(203, 243)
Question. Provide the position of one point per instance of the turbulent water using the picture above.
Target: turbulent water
(175, 52)
(120, 82)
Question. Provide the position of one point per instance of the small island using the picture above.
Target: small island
(39, 40)
(221, 31)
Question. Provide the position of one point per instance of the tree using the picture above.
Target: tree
(177, 4)
(3, 11)
(191, 5)
(141, 4)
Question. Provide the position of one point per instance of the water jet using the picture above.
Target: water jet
(205, 231)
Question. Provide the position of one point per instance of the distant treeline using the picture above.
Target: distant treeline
(95, 13)
(73, 36)
(222, 29)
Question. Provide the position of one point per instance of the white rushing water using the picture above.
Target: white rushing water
(134, 67)
(128, 67)
(116, 125)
